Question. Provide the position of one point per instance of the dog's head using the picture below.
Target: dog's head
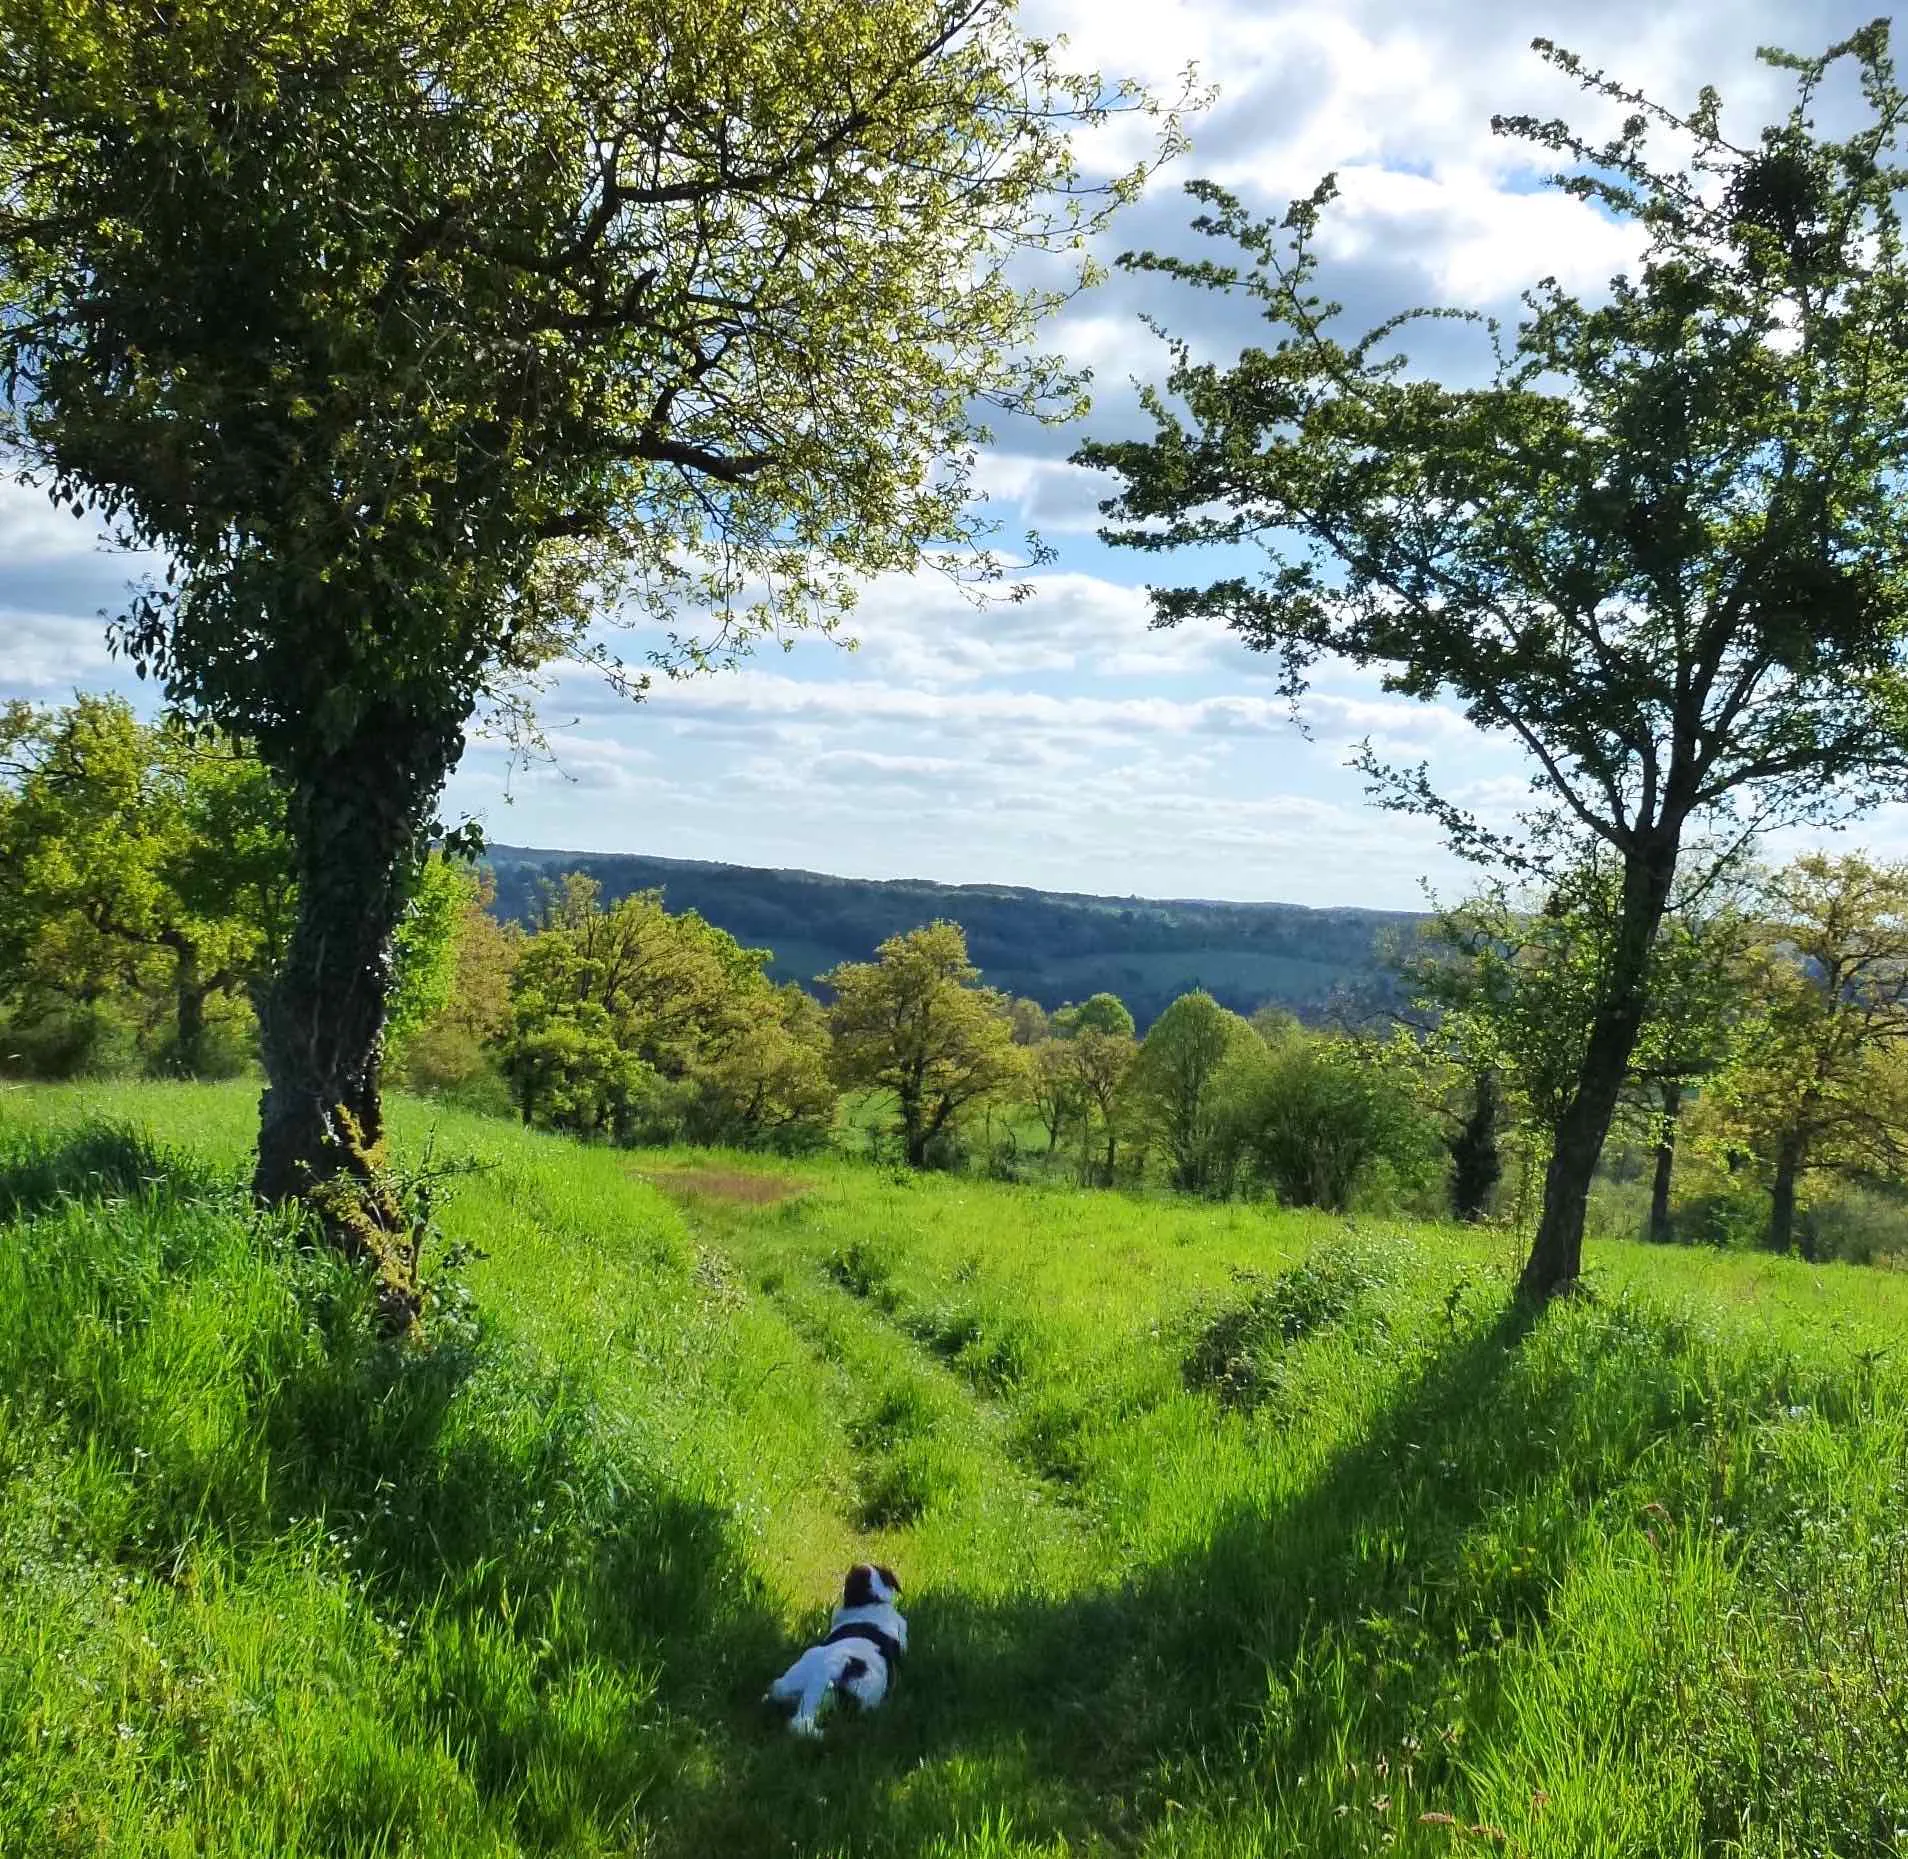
(869, 1584)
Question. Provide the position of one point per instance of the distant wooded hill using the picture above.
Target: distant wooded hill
(1052, 946)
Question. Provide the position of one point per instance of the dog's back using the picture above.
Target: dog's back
(866, 1637)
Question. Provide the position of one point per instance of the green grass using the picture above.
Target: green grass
(1223, 1532)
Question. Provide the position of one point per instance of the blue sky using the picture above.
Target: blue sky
(1061, 742)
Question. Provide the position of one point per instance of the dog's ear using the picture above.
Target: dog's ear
(858, 1589)
(889, 1576)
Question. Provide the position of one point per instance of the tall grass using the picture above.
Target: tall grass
(1223, 1532)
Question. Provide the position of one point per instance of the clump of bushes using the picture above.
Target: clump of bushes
(1236, 1353)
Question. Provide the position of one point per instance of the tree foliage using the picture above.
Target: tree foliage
(144, 860)
(1173, 1083)
(1660, 546)
(915, 1022)
(1819, 1083)
(1310, 1119)
(638, 1025)
(1512, 977)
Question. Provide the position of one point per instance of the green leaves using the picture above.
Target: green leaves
(143, 861)
(914, 1022)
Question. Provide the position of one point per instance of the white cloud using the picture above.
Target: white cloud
(44, 655)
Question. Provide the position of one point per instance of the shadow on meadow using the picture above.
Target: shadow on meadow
(1341, 1617)
(97, 1161)
(226, 1381)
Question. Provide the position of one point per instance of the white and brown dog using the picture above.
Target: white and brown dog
(866, 1638)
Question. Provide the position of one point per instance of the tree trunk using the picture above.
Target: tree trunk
(189, 990)
(1665, 1161)
(357, 822)
(1782, 1194)
(1556, 1254)
(1475, 1162)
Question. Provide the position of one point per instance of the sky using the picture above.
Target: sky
(1062, 742)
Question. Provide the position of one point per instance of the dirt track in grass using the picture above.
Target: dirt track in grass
(725, 1184)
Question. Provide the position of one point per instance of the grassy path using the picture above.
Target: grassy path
(1224, 1533)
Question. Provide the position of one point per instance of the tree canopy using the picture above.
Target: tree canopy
(1819, 1080)
(145, 853)
(1174, 1077)
(915, 1022)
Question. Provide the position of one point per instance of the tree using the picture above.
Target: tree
(1311, 1117)
(138, 856)
(1660, 546)
(1100, 1062)
(915, 1022)
(453, 1047)
(1173, 1077)
(1052, 1088)
(672, 1028)
(1476, 1162)
(1816, 1086)
(1099, 1013)
(409, 332)
(424, 959)
(1092, 1058)
(1701, 994)
(767, 1084)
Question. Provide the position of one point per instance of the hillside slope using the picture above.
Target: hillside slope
(1223, 1533)
(1051, 946)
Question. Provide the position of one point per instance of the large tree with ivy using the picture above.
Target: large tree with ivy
(1660, 544)
(413, 333)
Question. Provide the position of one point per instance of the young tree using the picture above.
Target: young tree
(915, 1022)
(1098, 1013)
(148, 854)
(453, 1047)
(410, 332)
(1477, 1163)
(1095, 1057)
(1815, 1086)
(1173, 1078)
(768, 1085)
(424, 957)
(1701, 1006)
(1661, 546)
(1051, 1088)
(675, 1022)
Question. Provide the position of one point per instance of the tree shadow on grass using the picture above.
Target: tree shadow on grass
(1355, 1606)
(572, 1623)
(588, 1641)
(40, 1169)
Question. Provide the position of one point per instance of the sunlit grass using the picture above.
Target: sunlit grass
(1224, 1531)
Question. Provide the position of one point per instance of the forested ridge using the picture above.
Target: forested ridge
(1048, 946)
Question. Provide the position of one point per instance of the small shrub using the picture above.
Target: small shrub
(860, 1268)
(69, 1040)
(904, 1412)
(901, 1489)
(1857, 1224)
(1236, 1353)
(1052, 1440)
(1735, 1217)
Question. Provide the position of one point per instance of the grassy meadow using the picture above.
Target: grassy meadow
(1224, 1531)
